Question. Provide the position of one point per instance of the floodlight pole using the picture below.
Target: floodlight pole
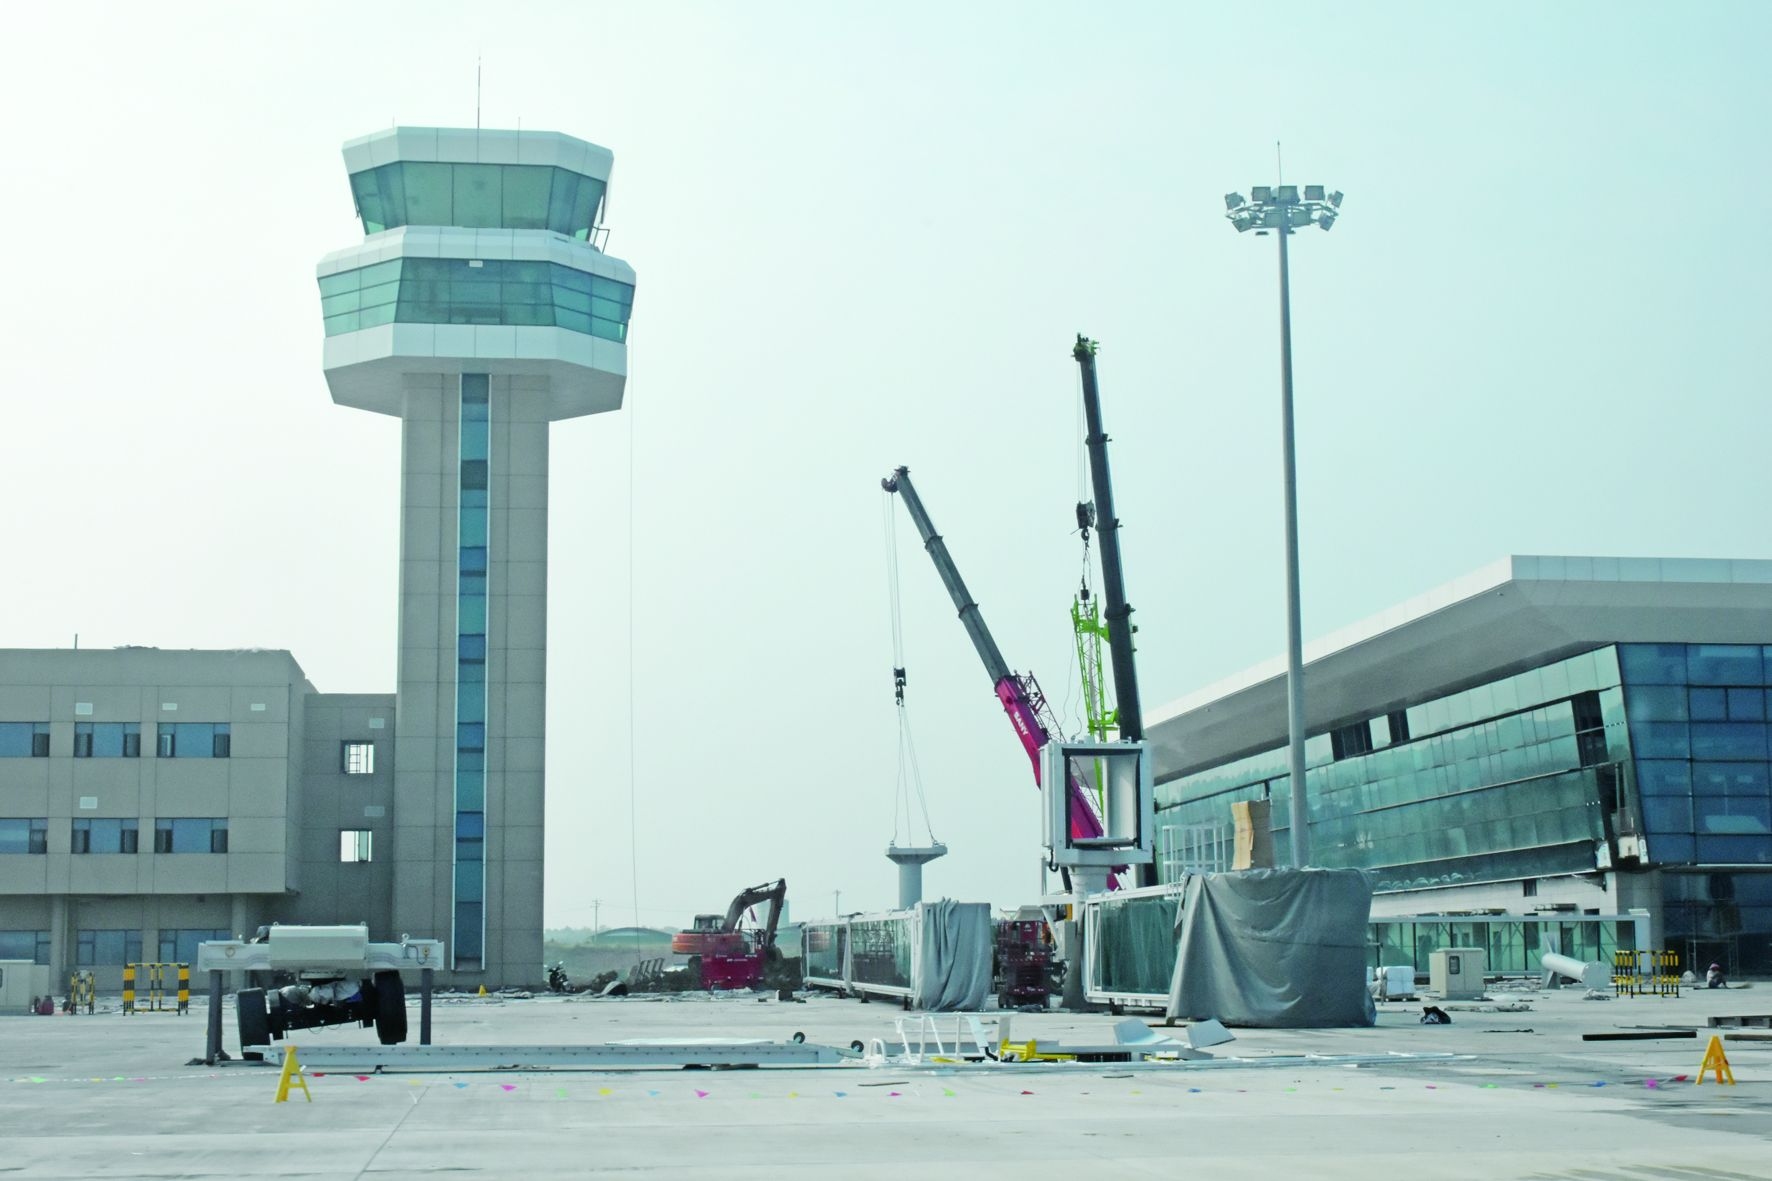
(1279, 208)
(1300, 813)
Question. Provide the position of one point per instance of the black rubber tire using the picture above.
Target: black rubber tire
(249, 1016)
(390, 1008)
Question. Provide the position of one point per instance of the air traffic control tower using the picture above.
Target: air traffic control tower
(478, 309)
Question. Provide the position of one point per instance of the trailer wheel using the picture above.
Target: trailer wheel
(255, 1028)
(390, 1008)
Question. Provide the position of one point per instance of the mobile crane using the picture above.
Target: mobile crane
(1128, 714)
(1018, 693)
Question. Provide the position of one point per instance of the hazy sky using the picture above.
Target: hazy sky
(866, 235)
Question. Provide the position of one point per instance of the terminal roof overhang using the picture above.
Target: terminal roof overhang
(1511, 615)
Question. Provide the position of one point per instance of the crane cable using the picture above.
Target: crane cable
(910, 775)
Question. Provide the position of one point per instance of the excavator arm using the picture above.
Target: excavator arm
(774, 893)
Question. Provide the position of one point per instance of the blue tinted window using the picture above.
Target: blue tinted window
(470, 701)
(1747, 779)
(1652, 664)
(1734, 850)
(1660, 740)
(1709, 705)
(194, 740)
(180, 946)
(1657, 777)
(1725, 664)
(1671, 814)
(470, 884)
(24, 740)
(1747, 705)
(24, 836)
(108, 947)
(471, 562)
(103, 836)
(469, 935)
(191, 835)
(25, 945)
(1672, 849)
(1728, 740)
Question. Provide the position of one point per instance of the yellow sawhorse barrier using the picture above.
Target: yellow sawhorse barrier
(292, 1077)
(1715, 1059)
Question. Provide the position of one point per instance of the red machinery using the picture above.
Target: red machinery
(721, 953)
(1024, 960)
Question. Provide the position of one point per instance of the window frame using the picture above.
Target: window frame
(355, 746)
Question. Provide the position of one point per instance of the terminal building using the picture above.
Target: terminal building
(1547, 735)
(152, 799)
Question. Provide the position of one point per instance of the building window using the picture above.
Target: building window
(468, 931)
(1399, 723)
(24, 740)
(107, 740)
(103, 948)
(355, 844)
(180, 946)
(194, 740)
(25, 945)
(359, 758)
(191, 835)
(1351, 741)
(24, 836)
(1529, 888)
(104, 836)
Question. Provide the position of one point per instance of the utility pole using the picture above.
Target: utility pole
(836, 903)
(596, 913)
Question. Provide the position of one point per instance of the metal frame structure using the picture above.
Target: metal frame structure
(709, 1052)
(1089, 910)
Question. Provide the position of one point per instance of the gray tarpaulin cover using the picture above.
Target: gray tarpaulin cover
(954, 961)
(1280, 948)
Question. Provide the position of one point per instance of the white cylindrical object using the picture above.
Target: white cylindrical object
(1593, 975)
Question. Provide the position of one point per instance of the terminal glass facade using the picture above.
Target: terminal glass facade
(477, 196)
(476, 291)
(1699, 729)
(1516, 778)
(1547, 772)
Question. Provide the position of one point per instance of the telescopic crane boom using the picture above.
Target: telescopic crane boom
(1119, 612)
(1020, 695)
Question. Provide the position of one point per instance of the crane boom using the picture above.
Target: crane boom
(1118, 613)
(970, 617)
(1019, 695)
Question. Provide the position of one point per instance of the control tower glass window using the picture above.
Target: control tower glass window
(476, 291)
(478, 196)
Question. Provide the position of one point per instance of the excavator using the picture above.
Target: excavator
(723, 955)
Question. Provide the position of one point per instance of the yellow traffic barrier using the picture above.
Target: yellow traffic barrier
(483, 991)
(153, 977)
(292, 1077)
(1716, 1060)
(81, 991)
